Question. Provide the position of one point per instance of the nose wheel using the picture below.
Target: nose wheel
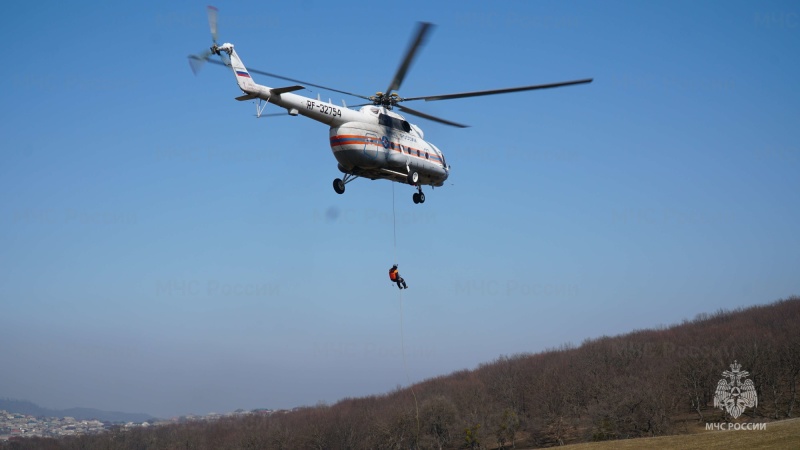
(418, 197)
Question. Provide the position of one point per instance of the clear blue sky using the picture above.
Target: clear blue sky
(165, 252)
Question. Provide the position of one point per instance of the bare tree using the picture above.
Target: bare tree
(506, 428)
(438, 416)
(696, 383)
(790, 361)
(472, 438)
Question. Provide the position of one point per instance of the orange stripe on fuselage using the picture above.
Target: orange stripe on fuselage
(361, 139)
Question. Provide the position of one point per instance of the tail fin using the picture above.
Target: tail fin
(243, 78)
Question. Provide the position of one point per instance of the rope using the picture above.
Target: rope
(394, 225)
(405, 363)
(402, 332)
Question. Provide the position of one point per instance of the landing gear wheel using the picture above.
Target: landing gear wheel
(419, 197)
(413, 177)
(338, 186)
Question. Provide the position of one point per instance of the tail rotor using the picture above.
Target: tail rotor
(196, 62)
(212, 22)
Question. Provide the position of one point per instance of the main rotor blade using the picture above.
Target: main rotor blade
(422, 30)
(408, 110)
(196, 61)
(212, 22)
(280, 77)
(305, 83)
(498, 91)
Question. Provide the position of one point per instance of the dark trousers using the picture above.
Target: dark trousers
(401, 283)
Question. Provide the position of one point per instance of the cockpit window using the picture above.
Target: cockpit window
(439, 154)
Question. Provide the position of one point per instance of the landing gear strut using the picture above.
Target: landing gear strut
(413, 179)
(418, 197)
(338, 184)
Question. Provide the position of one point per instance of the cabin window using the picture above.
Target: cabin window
(391, 122)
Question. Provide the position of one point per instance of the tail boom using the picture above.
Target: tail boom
(315, 109)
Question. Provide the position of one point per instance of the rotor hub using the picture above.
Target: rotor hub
(386, 100)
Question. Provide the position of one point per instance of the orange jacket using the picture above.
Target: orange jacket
(393, 274)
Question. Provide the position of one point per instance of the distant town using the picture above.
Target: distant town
(18, 426)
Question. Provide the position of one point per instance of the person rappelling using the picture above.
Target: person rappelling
(394, 275)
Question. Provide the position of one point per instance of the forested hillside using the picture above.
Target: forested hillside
(644, 383)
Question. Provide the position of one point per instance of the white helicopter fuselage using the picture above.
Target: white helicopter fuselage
(372, 142)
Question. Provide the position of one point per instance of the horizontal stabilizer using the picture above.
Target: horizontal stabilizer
(281, 90)
(246, 97)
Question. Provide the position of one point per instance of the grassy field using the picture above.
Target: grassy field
(784, 434)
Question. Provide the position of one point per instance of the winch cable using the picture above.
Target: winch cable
(394, 225)
(402, 332)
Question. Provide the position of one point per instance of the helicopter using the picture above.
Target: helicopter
(373, 141)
